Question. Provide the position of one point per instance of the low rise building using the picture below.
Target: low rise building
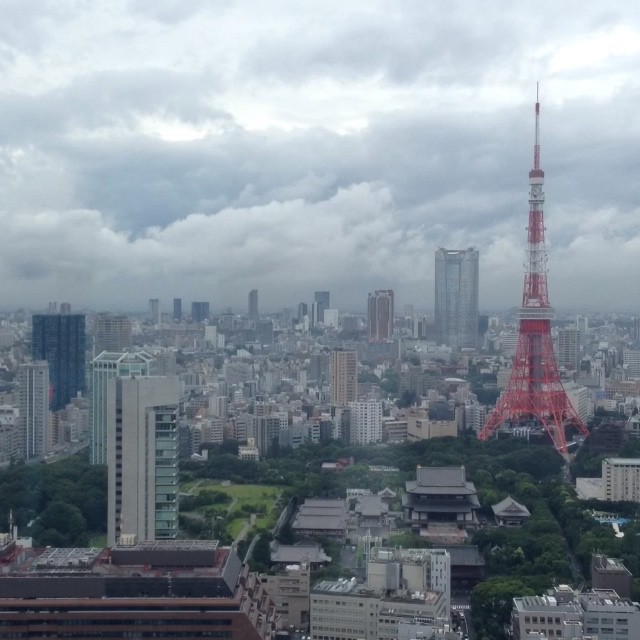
(162, 589)
(600, 613)
(610, 573)
(321, 518)
(344, 609)
(290, 590)
(510, 513)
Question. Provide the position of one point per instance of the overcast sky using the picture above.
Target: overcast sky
(202, 148)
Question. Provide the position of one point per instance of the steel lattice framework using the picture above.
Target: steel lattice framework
(534, 391)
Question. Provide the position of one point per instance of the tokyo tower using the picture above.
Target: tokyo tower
(534, 391)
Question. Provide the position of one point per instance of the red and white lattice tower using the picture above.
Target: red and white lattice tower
(534, 391)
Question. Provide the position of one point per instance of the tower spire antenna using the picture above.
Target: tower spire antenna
(534, 394)
(536, 146)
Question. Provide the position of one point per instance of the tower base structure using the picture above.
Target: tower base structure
(534, 391)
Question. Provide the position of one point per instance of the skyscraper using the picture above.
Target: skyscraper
(302, 310)
(199, 311)
(154, 311)
(457, 297)
(61, 341)
(323, 298)
(381, 313)
(253, 304)
(33, 421)
(569, 348)
(177, 309)
(142, 454)
(344, 377)
(105, 367)
(111, 333)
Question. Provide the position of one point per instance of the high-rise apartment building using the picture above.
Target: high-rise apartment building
(177, 309)
(456, 298)
(381, 314)
(366, 422)
(33, 420)
(199, 311)
(344, 376)
(323, 300)
(111, 333)
(621, 479)
(142, 457)
(253, 304)
(61, 341)
(569, 348)
(631, 360)
(302, 310)
(106, 366)
(154, 312)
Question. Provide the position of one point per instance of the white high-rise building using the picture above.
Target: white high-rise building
(105, 367)
(366, 422)
(142, 457)
(33, 420)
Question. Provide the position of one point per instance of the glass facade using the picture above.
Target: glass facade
(457, 297)
(61, 341)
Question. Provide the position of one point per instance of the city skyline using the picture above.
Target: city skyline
(258, 160)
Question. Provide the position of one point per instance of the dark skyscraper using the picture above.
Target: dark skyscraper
(61, 341)
(177, 309)
(323, 298)
(199, 311)
(302, 311)
(381, 315)
(253, 304)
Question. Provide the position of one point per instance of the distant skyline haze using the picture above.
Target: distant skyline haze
(204, 149)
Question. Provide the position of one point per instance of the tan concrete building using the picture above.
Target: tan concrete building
(420, 427)
(290, 592)
(344, 377)
(142, 457)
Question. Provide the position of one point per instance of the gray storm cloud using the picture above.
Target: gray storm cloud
(204, 149)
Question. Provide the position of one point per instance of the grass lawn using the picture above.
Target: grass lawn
(261, 498)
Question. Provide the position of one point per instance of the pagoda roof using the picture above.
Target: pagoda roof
(510, 507)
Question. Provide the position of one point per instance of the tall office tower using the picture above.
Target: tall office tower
(366, 422)
(302, 311)
(142, 458)
(253, 304)
(177, 309)
(264, 332)
(65, 308)
(314, 316)
(111, 333)
(631, 360)
(53, 307)
(199, 311)
(323, 298)
(457, 297)
(344, 377)
(381, 315)
(154, 311)
(569, 348)
(635, 329)
(535, 391)
(61, 341)
(33, 419)
(105, 367)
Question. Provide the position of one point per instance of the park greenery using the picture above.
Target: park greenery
(64, 504)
